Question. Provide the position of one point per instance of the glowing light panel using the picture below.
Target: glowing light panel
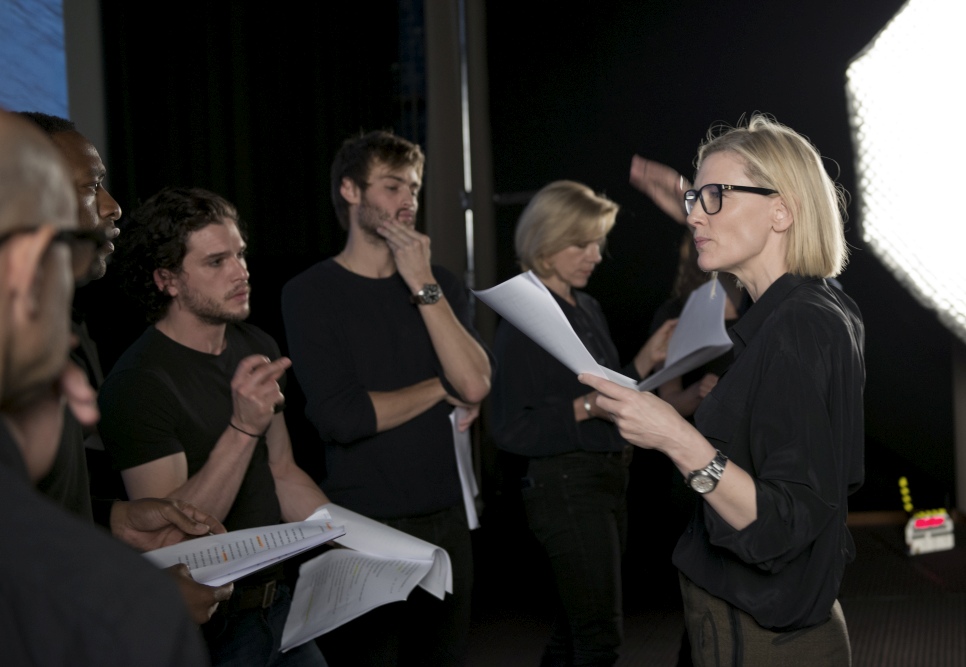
(905, 104)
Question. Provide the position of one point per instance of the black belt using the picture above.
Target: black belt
(259, 596)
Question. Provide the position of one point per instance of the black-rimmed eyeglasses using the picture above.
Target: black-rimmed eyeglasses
(710, 196)
(84, 245)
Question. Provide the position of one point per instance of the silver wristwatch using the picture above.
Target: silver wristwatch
(428, 295)
(705, 479)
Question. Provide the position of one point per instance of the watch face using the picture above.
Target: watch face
(702, 482)
(429, 294)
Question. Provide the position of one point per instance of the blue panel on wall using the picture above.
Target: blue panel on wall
(33, 68)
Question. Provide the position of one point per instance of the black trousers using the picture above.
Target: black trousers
(576, 506)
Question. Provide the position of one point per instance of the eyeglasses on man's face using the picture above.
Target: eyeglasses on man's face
(710, 196)
(84, 246)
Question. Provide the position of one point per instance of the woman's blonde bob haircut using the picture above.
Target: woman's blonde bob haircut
(561, 214)
(777, 157)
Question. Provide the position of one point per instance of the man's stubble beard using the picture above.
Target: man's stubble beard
(370, 217)
(209, 311)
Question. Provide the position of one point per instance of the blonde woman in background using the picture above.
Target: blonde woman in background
(574, 490)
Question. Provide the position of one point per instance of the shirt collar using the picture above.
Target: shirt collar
(749, 324)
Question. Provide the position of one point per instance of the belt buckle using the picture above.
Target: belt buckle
(269, 595)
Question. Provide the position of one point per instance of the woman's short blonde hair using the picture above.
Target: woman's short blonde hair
(777, 157)
(561, 214)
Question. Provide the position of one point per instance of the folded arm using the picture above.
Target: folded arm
(465, 364)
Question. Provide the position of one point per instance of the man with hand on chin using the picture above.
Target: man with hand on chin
(384, 347)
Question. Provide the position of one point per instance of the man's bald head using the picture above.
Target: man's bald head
(34, 185)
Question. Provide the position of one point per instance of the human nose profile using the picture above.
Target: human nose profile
(696, 218)
(107, 206)
(241, 266)
(412, 200)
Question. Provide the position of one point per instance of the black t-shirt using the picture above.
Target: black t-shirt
(163, 398)
(71, 595)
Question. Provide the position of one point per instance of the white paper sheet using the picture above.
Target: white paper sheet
(464, 464)
(377, 539)
(700, 335)
(527, 304)
(343, 584)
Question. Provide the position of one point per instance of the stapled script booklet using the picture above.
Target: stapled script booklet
(216, 560)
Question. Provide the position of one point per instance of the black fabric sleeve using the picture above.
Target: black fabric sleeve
(337, 403)
(138, 414)
(530, 414)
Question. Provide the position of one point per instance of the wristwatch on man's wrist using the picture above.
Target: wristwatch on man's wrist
(427, 296)
(706, 479)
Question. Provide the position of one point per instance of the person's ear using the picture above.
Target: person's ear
(165, 281)
(20, 264)
(350, 191)
(782, 217)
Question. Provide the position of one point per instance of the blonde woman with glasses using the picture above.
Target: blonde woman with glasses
(777, 446)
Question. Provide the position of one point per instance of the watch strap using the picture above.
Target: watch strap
(711, 472)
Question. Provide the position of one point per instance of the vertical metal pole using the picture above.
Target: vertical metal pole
(466, 199)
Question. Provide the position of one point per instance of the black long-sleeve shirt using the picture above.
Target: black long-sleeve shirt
(789, 411)
(533, 393)
(349, 335)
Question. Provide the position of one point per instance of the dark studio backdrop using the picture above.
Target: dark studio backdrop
(251, 101)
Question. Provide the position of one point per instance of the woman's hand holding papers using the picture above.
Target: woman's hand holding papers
(654, 351)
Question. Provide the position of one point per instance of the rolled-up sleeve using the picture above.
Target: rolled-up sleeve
(793, 462)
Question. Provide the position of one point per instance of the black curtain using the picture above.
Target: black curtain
(250, 100)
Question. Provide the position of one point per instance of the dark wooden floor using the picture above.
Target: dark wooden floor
(902, 611)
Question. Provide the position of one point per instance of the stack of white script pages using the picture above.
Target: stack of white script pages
(377, 565)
